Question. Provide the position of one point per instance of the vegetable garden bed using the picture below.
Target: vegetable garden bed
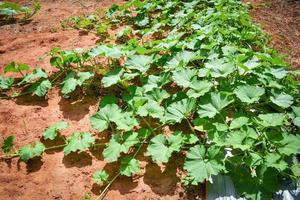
(190, 79)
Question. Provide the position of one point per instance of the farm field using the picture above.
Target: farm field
(155, 125)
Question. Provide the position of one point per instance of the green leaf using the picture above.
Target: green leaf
(249, 94)
(112, 77)
(13, 67)
(276, 161)
(199, 166)
(161, 148)
(126, 121)
(151, 108)
(271, 119)
(129, 166)
(183, 77)
(83, 76)
(180, 59)
(30, 151)
(112, 52)
(296, 121)
(238, 122)
(41, 88)
(118, 145)
(179, 110)
(217, 102)
(289, 145)
(199, 88)
(279, 73)
(109, 113)
(52, 131)
(79, 142)
(218, 68)
(283, 100)
(156, 81)
(158, 150)
(157, 95)
(112, 113)
(6, 82)
(237, 140)
(100, 177)
(34, 76)
(69, 84)
(7, 144)
(139, 62)
(190, 139)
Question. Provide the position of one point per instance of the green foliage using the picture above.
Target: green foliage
(202, 163)
(79, 142)
(100, 177)
(71, 82)
(8, 144)
(32, 150)
(249, 94)
(9, 9)
(119, 144)
(129, 166)
(198, 65)
(6, 82)
(162, 147)
(52, 131)
(15, 67)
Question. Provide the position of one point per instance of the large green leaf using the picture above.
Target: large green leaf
(156, 81)
(139, 62)
(151, 108)
(34, 76)
(218, 68)
(217, 102)
(112, 77)
(200, 165)
(283, 100)
(119, 144)
(69, 84)
(271, 119)
(179, 110)
(162, 147)
(30, 151)
(129, 166)
(112, 113)
(180, 59)
(100, 177)
(6, 82)
(249, 94)
(184, 77)
(52, 131)
(289, 145)
(109, 113)
(40, 88)
(79, 142)
(199, 88)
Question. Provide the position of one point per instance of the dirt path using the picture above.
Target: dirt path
(281, 20)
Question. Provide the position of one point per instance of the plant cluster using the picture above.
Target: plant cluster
(10, 11)
(201, 68)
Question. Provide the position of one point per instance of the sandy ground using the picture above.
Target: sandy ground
(56, 176)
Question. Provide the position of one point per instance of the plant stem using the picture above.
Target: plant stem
(190, 125)
(15, 96)
(101, 196)
(148, 124)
